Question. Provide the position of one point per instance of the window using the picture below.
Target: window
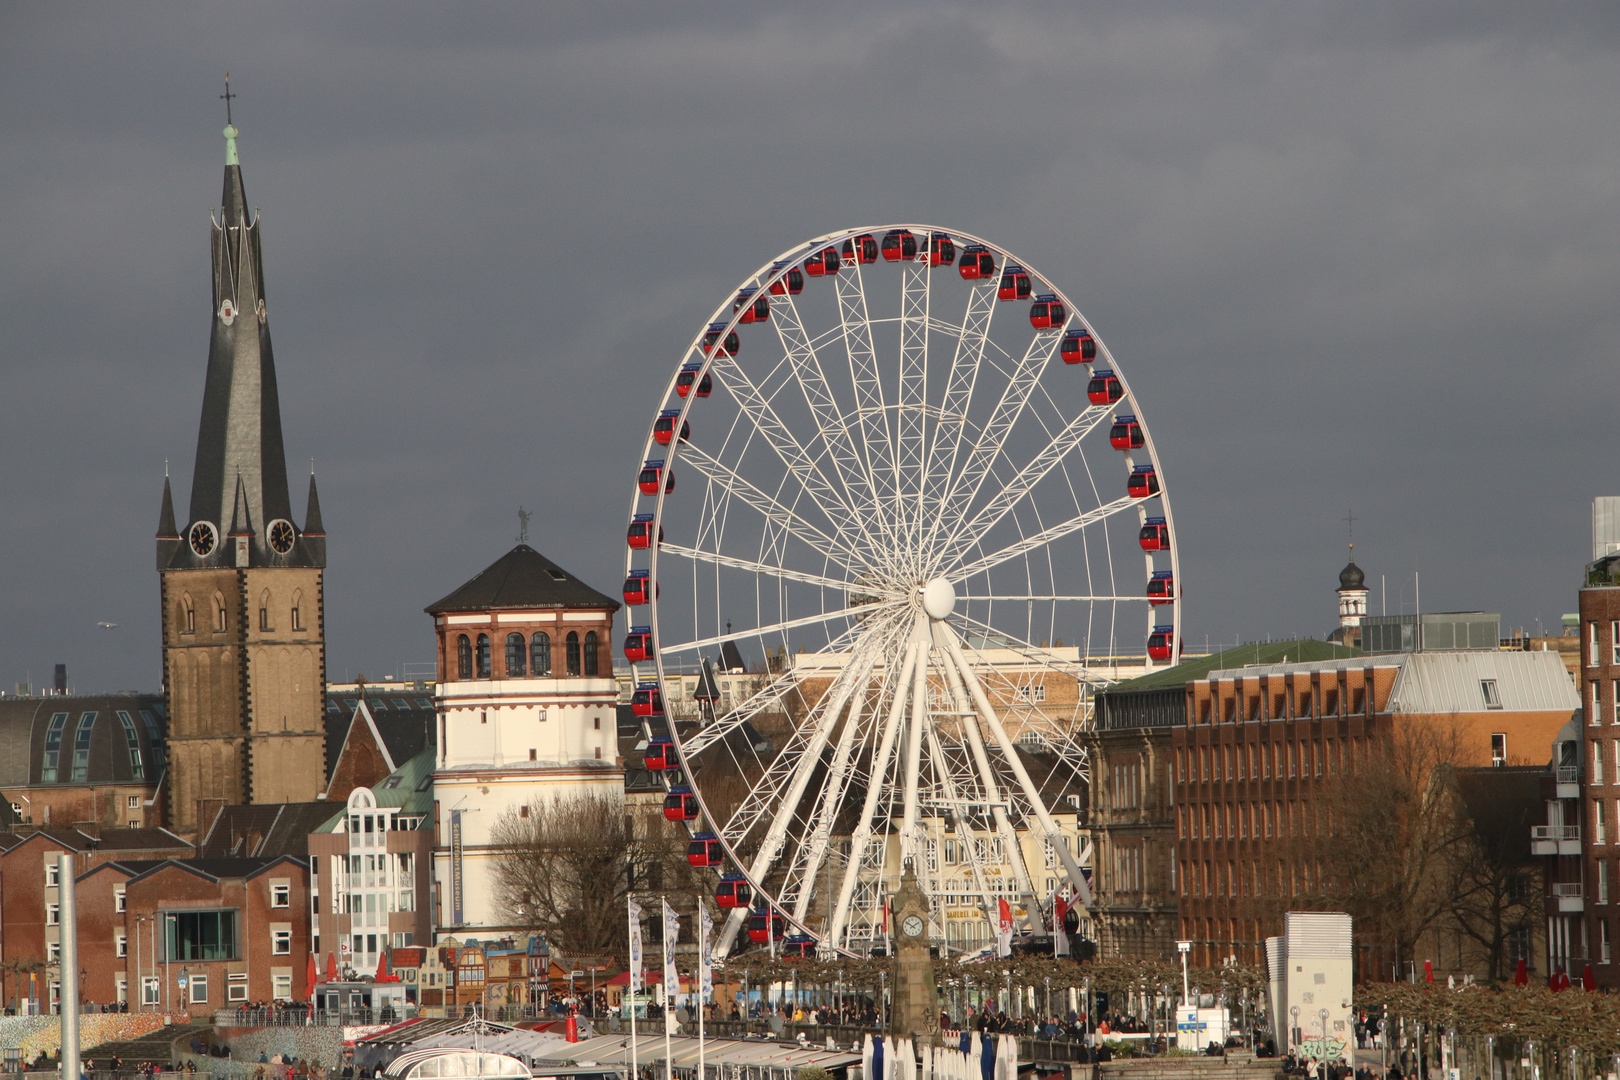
(1603, 941)
(134, 802)
(1599, 833)
(53, 747)
(137, 770)
(483, 656)
(1597, 763)
(463, 657)
(53, 875)
(1603, 881)
(219, 614)
(236, 989)
(1614, 642)
(281, 896)
(1591, 715)
(281, 987)
(119, 900)
(297, 610)
(517, 653)
(590, 652)
(1615, 703)
(188, 615)
(53, 951)
(149, 990)
(81, 747)
(281, 942)
(1616, 746)
(198, 987)
(264, 610)
(571, 648)
(1487, 687)
(123, 945)
(53, 914)
(1591, 644)
(201, 935)
(1499, 748)
(540, 655)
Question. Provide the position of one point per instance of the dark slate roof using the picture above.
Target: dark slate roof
(403, 717)
(25, 736)
(523, 578)
(139, 840)
(213, 868)
(263, 831)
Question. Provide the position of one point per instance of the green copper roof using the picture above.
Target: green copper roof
(1304, 651)
(230, 144)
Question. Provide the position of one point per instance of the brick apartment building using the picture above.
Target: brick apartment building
(1592, 934)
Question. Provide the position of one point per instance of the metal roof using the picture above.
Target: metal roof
(1444, 682)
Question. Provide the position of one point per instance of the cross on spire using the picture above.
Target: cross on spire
(1350, 522)
(226, 98)
(523, 525)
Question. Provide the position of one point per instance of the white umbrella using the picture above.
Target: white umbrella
(866, 1057)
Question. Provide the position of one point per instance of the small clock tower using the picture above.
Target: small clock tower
(914, 1011)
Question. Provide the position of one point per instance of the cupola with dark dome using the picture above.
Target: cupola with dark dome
(1352, 600)
(1351, 577)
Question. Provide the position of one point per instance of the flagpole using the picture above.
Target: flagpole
(669, 991)
(703, 979)
(634, 941)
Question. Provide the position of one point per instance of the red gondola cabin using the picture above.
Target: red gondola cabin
(822, 262)
(1161, 588)
(1126, 433)
(791, 283)
(664, 427)
(799, 947)
(638, 644)
(755, 309)
(1155, 535)
(688, 378)
(977, 263)
(1142, 482)
(638, 588)
(1047, 312)
(715, 345)
(680, 804)
(861, 249)
(647, 700)
(764, 925)
(899, 245)
(660, 754)
(651, 473)
(941, 250)
(1161, 643)
(733, 891)
(639, 534)
(1104, 388)
(704, 850)
(1014, 283)
(1078, 347)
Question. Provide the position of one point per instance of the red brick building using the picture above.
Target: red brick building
(1590, 934)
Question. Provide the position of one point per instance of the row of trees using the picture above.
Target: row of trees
(1555, 1028)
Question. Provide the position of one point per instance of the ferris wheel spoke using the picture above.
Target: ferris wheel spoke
(966, 535)
(1044, 537)
(961, 821)
(871, 417)
(1030, 598)
(947, 639)
(1037, 656)
(735, 487)
(754, 566)
(966, 359)
(1021, 383)
(756, 405)
(773, 628)
(911, 419)
(830, 425)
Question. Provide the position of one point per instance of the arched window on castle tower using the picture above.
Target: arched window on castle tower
(297, 613)
(219, 614)
(188, 615)
(264, 610)
(571, 647)
(516, 654)
(483, 656)
(590, 653)
(540, 655)
(463, 657)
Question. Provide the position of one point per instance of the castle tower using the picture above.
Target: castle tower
(244, 642)
(1352, 593)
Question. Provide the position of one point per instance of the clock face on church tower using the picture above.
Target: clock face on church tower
(912, 926)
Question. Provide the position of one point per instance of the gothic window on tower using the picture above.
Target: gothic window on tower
(590, 653)
(463, 657)
(219, 614)
(297, 610)
(571, 644)
(483, 656)
(264, 610)
(515, 655)
(188, 615)
(540, 655)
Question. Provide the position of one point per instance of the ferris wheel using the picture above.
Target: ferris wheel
(919, 520)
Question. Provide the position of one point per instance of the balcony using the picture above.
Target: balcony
(1568, 781)
(1555, 840)
(1569, 898)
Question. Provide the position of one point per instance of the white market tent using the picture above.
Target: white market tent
(745, 1059)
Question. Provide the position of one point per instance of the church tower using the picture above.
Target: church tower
(1352, 602)
(244, 641)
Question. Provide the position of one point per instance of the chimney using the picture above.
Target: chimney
(61, 678)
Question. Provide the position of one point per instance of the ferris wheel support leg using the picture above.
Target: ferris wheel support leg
(982, 701)
(992, 791)
(874, 791)
(771, 846)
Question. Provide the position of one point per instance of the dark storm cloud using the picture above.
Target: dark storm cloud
(1349, 255)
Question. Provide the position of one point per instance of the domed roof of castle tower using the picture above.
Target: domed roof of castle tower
(1351, 577)
(523, 578)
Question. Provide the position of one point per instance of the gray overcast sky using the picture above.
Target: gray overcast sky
(1351, 255)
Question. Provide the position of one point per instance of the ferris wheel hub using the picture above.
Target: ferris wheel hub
(938, 599)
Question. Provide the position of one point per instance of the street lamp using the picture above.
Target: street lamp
(1184, 947)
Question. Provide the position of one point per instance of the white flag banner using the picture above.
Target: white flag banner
(1004, 932)
(705, 964)
(672, 933)
(635, 947)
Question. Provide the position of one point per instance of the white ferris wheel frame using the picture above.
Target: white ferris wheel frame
(910, 454)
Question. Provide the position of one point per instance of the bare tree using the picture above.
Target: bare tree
(1496, 892)
(565, 868)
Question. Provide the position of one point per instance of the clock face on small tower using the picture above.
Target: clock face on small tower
(912, 926)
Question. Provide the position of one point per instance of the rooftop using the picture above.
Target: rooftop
(523, 578)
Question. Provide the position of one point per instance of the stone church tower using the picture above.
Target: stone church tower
(244, 641)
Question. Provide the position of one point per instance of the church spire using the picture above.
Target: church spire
(239, 439)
